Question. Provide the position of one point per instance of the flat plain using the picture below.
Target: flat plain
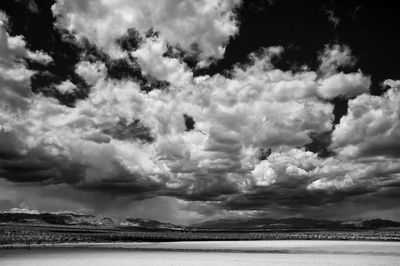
(24, 234)
(22, 245)
(274, 252)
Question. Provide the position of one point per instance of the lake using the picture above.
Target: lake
(276, 252)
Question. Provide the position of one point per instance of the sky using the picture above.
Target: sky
(184, 111)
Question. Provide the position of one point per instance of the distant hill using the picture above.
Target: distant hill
(74, 219)
(292, 223)
(149, 224)
(242, 224)
(54, 219)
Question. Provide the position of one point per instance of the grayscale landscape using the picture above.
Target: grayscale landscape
(74, 239)
(199, 132)
(49, 228)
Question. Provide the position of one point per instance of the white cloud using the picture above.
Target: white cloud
(234, 117)
(346, 174)
(333, 57)
(208, 23)
(284, 166)
(40, 57)
(326, 184)
(14, 76)
(66, 87)
(152, 62)
(23, 210)
(3, 18)
(391, 83)
(91, 72)
(264, 174)
(258, 106)
(346, 85)
(371, 126)
(333, 83)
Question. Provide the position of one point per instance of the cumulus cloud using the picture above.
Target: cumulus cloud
(40, 57)
(333, 83)
(371, 127)
(150, 58)
(208, 24)
(14, 75)
(263, 174)
(296, 181)
(234, 142)
(91, 72)
(285, 166)
(346, 85)
(334, 57)
(391, 83)
(124, 141)
(66, 87)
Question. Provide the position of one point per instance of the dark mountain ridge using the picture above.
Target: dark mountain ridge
(238, 224)
(75, 219)
(293, 223)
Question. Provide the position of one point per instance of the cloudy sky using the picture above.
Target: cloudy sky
(189, 110)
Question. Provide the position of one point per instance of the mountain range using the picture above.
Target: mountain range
(238, 224)
(254, 224)
(76, 219)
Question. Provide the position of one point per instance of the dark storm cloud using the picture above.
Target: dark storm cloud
(382, 147)
(210, 187)
(6, 204)
(292, 198)
(9, 155)
(40, 169)
(390, 148)
(9, 146)
(124, 187)
(26, 171)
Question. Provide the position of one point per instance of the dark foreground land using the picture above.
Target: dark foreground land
(26, 234)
